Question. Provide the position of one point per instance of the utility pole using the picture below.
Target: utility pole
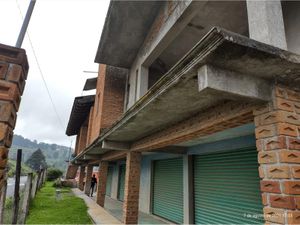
(25, 24)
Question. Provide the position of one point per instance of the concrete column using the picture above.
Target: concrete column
(115, 181)
(81, 178)
(88, 179)
(266, 22)
(188, 203)
(103, 169)
(278, 143)
(132, 188)
(142, 82)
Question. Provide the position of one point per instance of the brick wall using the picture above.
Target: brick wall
(113, 96)
(278, 143)
(13, 74)
(109, 100)
(95, 129)
(90, 126)
(83, 137)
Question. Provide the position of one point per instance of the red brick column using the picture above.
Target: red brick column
(132, 188)
(103, 169)
(13, 75)
(81, 178)
(278, 142)
(88, 179)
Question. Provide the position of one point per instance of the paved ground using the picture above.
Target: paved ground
(98, 214)
(115, 208)
(112, 211)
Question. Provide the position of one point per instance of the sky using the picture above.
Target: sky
(65, 35)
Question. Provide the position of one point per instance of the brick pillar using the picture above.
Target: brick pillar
(13, 74)
(103, 169)
(132, 188)
(88, 179)
(278, 142)
(81, 178)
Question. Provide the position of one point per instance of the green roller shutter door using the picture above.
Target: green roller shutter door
(121, 182)
(226, 188)
(109, 180)
(168, 189)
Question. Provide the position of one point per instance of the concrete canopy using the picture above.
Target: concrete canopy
(90, 84)
(176, 96)
(125, 28)
(80, 111)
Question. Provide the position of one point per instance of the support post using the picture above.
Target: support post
(277, 131)
(88, 179)
(132, 188)
(101, 190)
(25, 24)
(33, 189)
(17, 187)
(266, 22)
(3, 198)
(188, 202)
(26, 199)
(81, 178)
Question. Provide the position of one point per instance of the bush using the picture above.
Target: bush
(53, 174)
(57, 183)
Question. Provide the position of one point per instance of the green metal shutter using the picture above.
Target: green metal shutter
(168, 189)
(109, 181)
(226, 188)
(121, 182)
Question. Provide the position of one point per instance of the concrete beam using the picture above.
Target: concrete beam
(112, 145)
(172, 150)
(219, 81)
(92, 156)
(266, 22)
(114, 155)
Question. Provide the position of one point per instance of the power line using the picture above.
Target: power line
(41, 72)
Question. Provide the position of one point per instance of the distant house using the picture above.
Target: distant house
(196, 113)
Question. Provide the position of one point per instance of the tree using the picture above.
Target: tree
(37, 160)
(53, 174)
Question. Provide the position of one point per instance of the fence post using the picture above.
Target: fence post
(26, 199)
(37, 182)
(33, 187)
(17, 187)
(3, 198)
(45, 176)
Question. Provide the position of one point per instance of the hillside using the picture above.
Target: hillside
(56, 155)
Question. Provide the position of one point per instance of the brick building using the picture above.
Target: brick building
(196, 116)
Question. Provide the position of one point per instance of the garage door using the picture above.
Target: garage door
(226, 187)
(109, 180)
(168, 189)
(121, 182)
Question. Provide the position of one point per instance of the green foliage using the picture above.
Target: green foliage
(57, 183)
(37, 160)
(46, 209)
(11, 165)
(56, 155)
(53, 174)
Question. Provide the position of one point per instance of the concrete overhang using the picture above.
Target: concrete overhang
(80, 111)
(90, 84)
(126, 26)
(180, 94)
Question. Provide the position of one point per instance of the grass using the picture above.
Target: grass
(46, 209)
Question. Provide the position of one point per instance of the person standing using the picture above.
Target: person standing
(93, 183)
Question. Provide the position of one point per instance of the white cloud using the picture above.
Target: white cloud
(65, 35)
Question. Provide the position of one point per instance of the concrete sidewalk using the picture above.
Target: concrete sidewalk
(98, 214)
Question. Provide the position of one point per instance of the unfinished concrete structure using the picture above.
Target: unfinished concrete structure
(196, 112)
(13, 74)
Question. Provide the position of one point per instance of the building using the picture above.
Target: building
(196, 113)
